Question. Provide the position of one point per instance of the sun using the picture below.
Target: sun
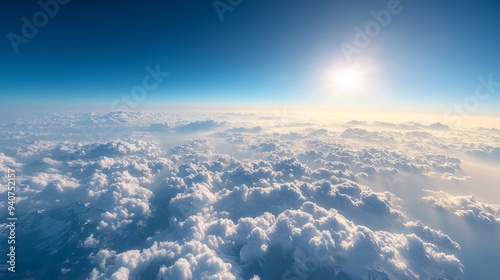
(346, 80)
(349, 81)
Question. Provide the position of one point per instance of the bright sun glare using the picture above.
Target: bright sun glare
(346, 80)
(349, 80)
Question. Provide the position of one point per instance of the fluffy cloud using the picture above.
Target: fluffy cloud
(114, 176)
(239, 214)
(247, 198)
(431, 235)
(316, 239)
(466, 207)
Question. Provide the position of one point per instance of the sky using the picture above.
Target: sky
(325, 176)
(427, 57)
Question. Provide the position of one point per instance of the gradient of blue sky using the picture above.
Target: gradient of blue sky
(263, 53)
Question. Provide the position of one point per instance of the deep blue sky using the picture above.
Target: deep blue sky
(264, 53)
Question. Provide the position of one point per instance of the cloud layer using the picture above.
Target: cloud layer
(232, 196)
